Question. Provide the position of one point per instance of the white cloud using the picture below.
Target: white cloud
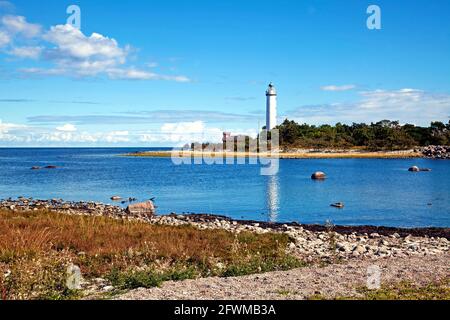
(70, 138)
(4, 38)
(26, 52)
(45, 72)
(405, 105)
(19, 25)
(72, 53)
(185, 132)
(117, 136)
(6, 127)
(7, 131)
(134, 74)
(67, 128)
(181, 133)
(152, 64)
(76, 54)
(72, 43)
(169, 134)
(346, 87)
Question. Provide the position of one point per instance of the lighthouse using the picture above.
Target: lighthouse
(271, 107)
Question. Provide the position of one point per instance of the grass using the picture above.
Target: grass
(37, 247)
(409, 291)
(286, 293)
(400, 291)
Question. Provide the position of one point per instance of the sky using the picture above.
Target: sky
(163, 73)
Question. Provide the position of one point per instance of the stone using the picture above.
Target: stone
(142, 209)
(359, 250)
(356, 253)
(436, 152)
(341, 247)
(319, 175)
(339, 205)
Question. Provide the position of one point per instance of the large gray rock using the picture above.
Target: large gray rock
(142, 209)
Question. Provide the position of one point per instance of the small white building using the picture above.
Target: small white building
(271, 107)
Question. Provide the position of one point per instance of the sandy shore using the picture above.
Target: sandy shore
(302, 154)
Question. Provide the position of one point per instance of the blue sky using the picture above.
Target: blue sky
(149, 73)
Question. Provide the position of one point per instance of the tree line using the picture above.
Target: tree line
(382, 135)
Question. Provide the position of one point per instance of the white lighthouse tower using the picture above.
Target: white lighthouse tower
(271, 107)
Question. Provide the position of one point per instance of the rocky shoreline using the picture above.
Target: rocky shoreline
(436, 152)
(309, 242)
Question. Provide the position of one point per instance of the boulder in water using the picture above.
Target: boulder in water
(319, 175)
(338, 205)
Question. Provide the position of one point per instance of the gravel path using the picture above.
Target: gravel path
(331, 281)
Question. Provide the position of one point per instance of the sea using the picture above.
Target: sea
(378, 192)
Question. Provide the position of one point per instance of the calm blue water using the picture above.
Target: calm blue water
(375, 192)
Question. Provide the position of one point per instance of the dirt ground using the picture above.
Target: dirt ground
(332, 281)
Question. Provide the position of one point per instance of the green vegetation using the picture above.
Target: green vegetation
(409, 291)
(132, 279)
(37, 247)
(383, 135)
(399, 291)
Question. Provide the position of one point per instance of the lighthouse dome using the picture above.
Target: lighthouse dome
(271, 91)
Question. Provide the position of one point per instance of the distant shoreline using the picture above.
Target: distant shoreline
(303, 154)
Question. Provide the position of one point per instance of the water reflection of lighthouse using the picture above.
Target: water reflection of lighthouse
(272, 197)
